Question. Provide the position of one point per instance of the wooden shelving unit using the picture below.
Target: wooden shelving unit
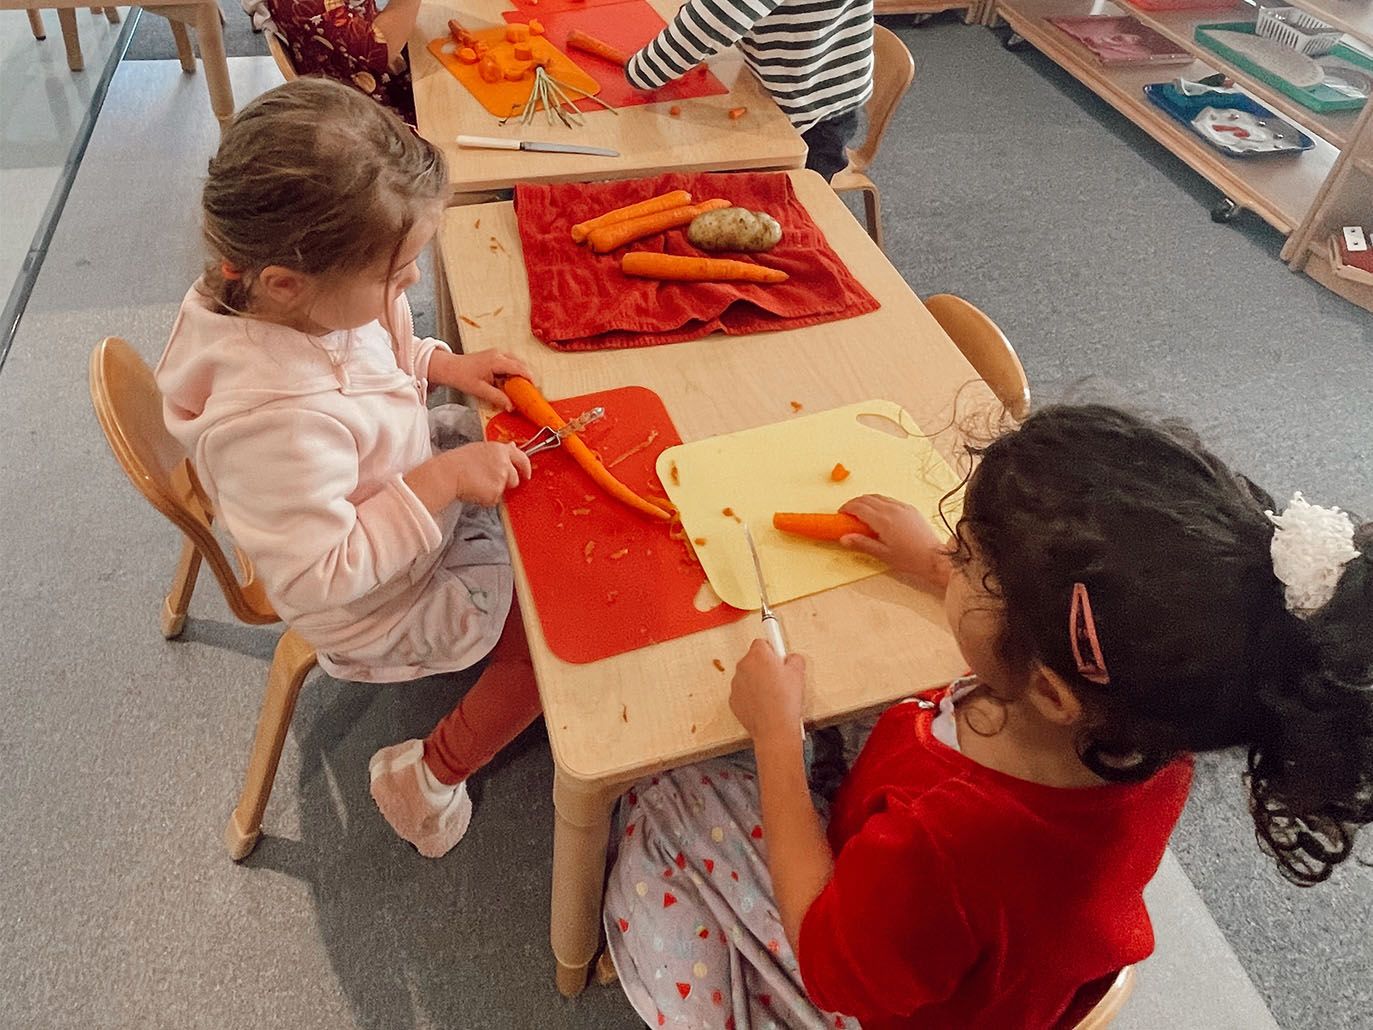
(1304, 196)
(922, 9)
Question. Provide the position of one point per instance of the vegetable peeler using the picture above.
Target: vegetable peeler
(547, 438)
(771, 626)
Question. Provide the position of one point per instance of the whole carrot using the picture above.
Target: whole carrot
(579, 40)
(647, 265)
(532, 404)
(662, 202)
(617, 234)
(820, 525)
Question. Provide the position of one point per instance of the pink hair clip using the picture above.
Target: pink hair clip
(228, 271)
(1082, 637)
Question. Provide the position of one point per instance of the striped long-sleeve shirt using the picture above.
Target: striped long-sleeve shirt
(813, 56)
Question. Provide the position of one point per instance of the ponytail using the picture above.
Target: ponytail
(1310, 769)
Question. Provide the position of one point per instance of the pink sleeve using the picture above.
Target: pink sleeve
(888, 934)
(282, 479)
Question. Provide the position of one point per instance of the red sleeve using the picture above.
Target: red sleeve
(888, 934)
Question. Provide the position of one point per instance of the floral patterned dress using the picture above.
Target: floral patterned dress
(337, 39)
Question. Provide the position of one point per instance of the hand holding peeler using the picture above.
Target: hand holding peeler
(771, 627)
(547, 438)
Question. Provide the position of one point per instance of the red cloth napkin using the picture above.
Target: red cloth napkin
(581, 301)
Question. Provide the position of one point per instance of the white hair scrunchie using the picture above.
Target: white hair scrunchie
(1311, 546)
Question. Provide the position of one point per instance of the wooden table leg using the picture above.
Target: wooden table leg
(182, 40)
(66, 17)
(36, 23)
(112, 15)
(581, 833)
(211, 35)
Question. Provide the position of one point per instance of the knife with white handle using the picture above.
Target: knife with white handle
(496, 143)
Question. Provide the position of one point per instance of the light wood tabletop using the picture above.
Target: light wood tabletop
(868, 644)
(702, 138)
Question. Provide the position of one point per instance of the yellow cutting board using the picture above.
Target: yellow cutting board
(786, 467)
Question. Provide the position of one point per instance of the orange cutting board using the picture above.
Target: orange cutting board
(505, 98)
(633, 585)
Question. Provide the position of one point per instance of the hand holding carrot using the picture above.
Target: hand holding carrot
(476, 374)
(905, 539)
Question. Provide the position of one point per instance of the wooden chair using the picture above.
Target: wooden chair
(281, 56)
(986, 348)
(893, 73)
(129, 408)
(1100, 1001)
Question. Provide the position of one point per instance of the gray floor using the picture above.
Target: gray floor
(118, 909)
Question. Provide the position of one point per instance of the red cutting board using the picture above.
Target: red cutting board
(627, 25)
(592, 609)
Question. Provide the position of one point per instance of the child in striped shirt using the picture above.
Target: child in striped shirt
(813, 56)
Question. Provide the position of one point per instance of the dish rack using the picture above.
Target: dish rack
(1298, 30)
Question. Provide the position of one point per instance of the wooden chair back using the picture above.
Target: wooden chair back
(281, 56)
(129, 407)
(1098, 1003)
(893, 73)
(986, 348)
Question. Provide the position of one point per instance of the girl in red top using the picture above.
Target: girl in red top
(1124, 600)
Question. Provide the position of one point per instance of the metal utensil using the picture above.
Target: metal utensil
(771, 627)
(495, 143)
(547, 438)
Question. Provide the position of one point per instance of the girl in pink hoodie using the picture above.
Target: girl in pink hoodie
(295, 381)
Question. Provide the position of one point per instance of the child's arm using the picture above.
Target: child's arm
(394, 23)
(477, 473)
(476, 374)
(701, 29)
(766, 698)
(905, 540)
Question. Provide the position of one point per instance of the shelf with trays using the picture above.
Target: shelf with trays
(1319, 267)
(1180, 27)
(1280, 190)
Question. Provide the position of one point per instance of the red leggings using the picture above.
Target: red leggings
(502, 702)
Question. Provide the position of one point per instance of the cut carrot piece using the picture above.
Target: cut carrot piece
(820, 525)
(608, 237)
(532, 404)
(797, 406)
(535, 26)
(700, 541)
(579, 40)
(662, 202)
(838, 474)
(647, 265)
(674, 110)
(735, 113)
(719, 665)
(467, 55)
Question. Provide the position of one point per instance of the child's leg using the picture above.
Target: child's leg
(502, 702)
(419, 785)
(827, 143)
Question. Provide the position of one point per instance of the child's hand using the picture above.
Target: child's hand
(476, 375)
(483, 472)
(766, 693)
(905, 539)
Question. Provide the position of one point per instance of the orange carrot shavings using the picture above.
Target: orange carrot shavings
(735, 113)
(610, 597)
(617, 555)
(700, 541)
(588, 550)
(729, 514)
(672, 474)
(581, 511)
(468, 321)
(640, 446)
(674, 110)
(797, 406)
(838, 474)
(477, 224)
(624, 713)
(719, 665)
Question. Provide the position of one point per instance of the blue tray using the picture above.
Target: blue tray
(1184, 108)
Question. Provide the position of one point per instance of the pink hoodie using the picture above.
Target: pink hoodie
(301, 443)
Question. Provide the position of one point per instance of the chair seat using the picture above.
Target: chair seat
(851, 179)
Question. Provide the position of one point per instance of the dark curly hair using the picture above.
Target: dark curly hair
(1203, 654)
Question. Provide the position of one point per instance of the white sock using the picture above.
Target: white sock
(436, 792)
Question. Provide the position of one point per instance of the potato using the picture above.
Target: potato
(735, 228)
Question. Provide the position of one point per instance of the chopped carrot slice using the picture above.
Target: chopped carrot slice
(735, 113)
(838, 474)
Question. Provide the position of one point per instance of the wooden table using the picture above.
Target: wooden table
(614, 721)
(201, 15)
(650, 141)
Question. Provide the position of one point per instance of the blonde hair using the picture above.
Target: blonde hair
(316, 177)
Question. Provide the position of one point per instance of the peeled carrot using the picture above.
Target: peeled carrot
(579, 40)
(532, 404)
(819, 525)
(662, 202)
(647, 265)
(617, 234)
